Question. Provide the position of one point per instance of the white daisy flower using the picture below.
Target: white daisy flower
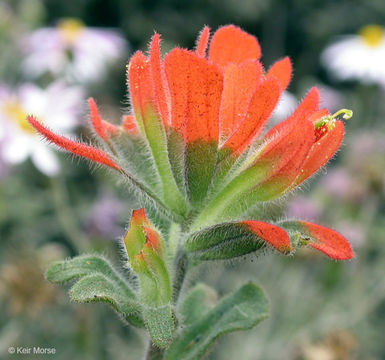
(58, 106)
(358, 57)
(80, 53)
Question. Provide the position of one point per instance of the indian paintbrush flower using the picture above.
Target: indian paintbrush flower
(201, 119)
(194, 150)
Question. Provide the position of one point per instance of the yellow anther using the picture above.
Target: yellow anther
(70, 29)
(372, 35)
(17, 114)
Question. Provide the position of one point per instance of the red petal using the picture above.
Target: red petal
(129, 124)
(96, 121)
(328, 241)
(282, 145)
(291, 152)
(322, 151)
(261, 106)
(196, 89)
(230, 44)
(202, 42)
(138, 217)
(160, 87)
(318, 115)
(111, 129)
(140, 84)
(281, 70)
(240, 82)
(304, 110)
(152, 238)
(273, 235)
(76, 148)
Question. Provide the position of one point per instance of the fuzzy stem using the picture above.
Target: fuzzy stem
(180, 270)
(153, 352)
(173, 239)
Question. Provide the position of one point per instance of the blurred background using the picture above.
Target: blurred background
(55, 54)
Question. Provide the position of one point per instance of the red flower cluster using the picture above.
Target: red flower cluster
(217, 100)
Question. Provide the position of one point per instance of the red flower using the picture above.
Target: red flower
(202, 113)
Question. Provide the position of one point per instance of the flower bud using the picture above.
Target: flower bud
(145, 250)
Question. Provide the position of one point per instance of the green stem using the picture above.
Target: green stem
(173, 239)
(153, 352)
(180, 270)
(66, 216)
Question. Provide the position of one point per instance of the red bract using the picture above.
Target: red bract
(200, 115)
(129, 124)
(74, 147)
(273, 235)
(96, 121)
(328, 241)
(101, 127)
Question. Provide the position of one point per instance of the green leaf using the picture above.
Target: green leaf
(197, 303)
(97, 281)
(160, 324)
(98, 288)
(241, 310)
(223, 241)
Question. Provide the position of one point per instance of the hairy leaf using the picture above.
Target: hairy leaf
(97, 281)
(160, 324)
(197, 303)
(233, 239)
(241, 310)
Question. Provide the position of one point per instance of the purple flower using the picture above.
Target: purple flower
(304, 208)
(106, 215)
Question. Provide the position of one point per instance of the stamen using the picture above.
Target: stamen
(347, 114)
(330, 119)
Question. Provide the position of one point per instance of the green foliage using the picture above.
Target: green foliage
(97, 282)
(241, 310)
(223, 241)
(160, 324)
(197, 303)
